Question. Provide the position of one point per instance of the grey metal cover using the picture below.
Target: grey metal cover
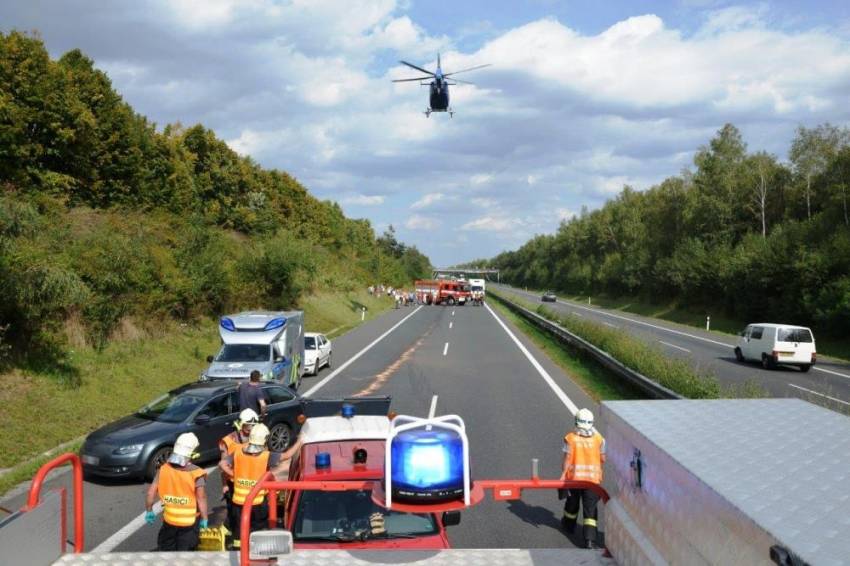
(33, 538)
(728, 478)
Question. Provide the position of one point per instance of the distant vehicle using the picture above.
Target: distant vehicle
(269, 342)
(426, 290)
(317, 352)
(477, 288)
(777, 344)
(452, 293)
(138, 444)
(440, 82)
(549, 297)
(352, 448)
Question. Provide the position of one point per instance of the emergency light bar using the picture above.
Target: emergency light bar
(427, 460)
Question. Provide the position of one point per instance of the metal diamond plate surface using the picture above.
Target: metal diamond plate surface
(723, 480)
(455, 557)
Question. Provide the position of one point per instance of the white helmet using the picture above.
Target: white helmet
(584, 420)
(249, 417)
(184, 449)
(257, 439)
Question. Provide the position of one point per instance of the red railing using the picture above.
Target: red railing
(35, 493)
(503, 490)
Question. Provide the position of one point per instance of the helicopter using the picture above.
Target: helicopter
(440, 82)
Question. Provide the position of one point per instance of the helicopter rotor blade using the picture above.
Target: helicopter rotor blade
(465, 70)
(416, 79)
(462, 81)
(411, 65)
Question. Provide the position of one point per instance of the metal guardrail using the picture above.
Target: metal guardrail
(648, 386)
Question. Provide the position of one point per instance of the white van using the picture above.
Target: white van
(773, 344)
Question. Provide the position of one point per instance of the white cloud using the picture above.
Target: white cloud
(419, 222)
(565, 214)
(492, 224)
(481, 178)
(364, 200)
(428, 200)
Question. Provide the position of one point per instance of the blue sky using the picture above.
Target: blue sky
(582, 96)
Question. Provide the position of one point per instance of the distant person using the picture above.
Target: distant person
(180, 485)
(252, 396)
(584, 455)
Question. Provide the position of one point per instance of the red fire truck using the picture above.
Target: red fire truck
(453, 292)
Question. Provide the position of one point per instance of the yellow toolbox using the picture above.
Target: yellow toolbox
(213, 538)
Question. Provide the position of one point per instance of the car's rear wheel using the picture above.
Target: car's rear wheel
(738, 355)
(279, 437)
(158, 458)
(767, 362)
(316, 367)
(328, 365)
(805, 367)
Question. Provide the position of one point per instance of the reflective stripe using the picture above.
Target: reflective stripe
(247, 471)
(570, 515)
(584, 457)
(589, 522)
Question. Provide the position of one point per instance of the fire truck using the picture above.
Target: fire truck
(452, 293)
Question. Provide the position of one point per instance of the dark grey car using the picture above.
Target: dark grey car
(549, 297)
(136, 445)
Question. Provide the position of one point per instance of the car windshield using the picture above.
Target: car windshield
(171, 408)
(793, 335)
(309, 343)
(476, 288)
(244, 353)
(346, 515)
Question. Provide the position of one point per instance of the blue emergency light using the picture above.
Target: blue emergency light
(427, 465)
(275, 323)
(347, 410)
(227, 324)
(323, 460)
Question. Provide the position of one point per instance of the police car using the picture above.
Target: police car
(351, 445)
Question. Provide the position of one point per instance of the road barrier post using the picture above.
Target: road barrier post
(362, 314)
(708, 323)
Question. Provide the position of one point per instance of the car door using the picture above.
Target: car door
(755, 343)
(220, 410)
(326, 349)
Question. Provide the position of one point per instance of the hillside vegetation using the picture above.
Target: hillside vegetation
(110, 226)
(742, 233)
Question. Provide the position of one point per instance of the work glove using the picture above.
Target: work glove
(150, 517)
(203, 523)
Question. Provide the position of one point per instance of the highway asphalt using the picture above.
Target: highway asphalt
(827, 383)
(515, 409)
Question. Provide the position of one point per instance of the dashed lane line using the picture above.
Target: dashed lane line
(609, 324)
(568, 403)
(818, 394)
(445, 348)
(675, 346)
(356, 356)
(451, 324)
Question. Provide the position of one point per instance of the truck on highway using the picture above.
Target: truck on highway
(452, 292)
(477, 290)
(426, 290)
(266, 341)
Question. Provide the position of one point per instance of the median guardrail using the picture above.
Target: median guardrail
(648, 386)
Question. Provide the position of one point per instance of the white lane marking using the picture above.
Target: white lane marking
(568, 403)
(844, 375)
(433, 411)
(125, 532)
(675, 346)
(354, 358)
(453, 313)
(451, 324)
(819, 394)
(609, 324)
(578, 314)
(679, 332)
(445, 348)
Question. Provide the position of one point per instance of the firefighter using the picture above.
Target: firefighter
(584, 455)
(179, 484)
(227, 445)
(246, 466)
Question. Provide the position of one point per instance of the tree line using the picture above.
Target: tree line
(103, 215)
(742, 232)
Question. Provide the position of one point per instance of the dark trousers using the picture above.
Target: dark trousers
(177, 538)
(259, 519)
(588, 501)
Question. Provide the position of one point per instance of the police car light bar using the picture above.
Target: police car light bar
(428, 459)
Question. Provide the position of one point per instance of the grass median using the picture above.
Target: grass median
(677, 375)
(42, 411)
(593, 378)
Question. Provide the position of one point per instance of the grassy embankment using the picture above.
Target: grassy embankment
(696, 318)
(125, 375)
(677, 375)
